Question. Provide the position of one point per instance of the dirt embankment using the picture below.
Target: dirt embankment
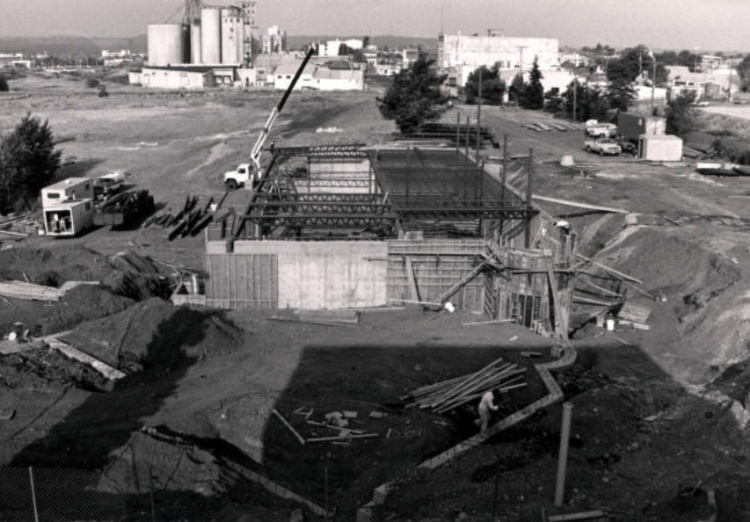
(698, 266)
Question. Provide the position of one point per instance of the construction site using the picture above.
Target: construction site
(304, 325)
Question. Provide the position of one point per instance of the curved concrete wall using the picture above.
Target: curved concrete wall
(195, 43)
(166, 44)
(211, 36)
(231, 37)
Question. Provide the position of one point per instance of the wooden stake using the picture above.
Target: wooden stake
(300, 438)
(348, 437)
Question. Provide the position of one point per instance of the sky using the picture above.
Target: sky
(662, 24)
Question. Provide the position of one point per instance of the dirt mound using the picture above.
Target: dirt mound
(83, 303)
(154, 332)
(701, 327)
(53, 266)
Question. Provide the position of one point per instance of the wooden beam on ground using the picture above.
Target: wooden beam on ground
(412, 279)
(586, 515)
(610, 270)
(108, 371)
(341, 439)
(576, 204)
(300, 438)
(463, 282)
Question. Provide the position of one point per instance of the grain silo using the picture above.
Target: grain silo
(195, 43)
(231, 36)
(211, 35)
(166, 44)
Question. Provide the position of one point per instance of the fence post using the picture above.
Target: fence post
(33, 494)
(151, 491)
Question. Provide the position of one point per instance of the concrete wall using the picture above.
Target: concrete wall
(310, 275)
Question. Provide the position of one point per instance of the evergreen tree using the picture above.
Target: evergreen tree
(493, 88)
(4, 84)
(28, 161)
(533, 97)
(681, 114)
(620, 94)
(414, 97)
(517, 89)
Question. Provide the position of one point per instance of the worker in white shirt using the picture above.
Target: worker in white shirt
(486, 405)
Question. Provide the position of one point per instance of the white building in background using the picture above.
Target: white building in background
(459, 55)
(122, 53)
(274, 41)
(318, 78)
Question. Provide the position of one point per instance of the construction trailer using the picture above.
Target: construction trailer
(346, 226)
(67, 207)
(633, 126)
(660, 148)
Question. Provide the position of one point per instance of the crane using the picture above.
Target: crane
(250, 174)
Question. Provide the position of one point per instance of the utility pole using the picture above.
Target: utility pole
(479, 113)
(653, 87)
(575, 95)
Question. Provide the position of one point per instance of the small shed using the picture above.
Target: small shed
(660, 148)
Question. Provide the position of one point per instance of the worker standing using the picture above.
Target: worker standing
(486, 405)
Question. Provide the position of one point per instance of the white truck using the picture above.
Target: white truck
(250, 175)
(595, 129)
(602, 146)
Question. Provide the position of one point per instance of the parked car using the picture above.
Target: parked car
(603, 146)
(595, 129)
(109, 183)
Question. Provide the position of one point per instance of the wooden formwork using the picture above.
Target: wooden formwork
(437, 266)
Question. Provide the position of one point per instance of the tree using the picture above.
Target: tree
(414, 96)
(28, 161)
(365, 42)
(620, 94)
(681, 114)
(344, 50)
(590, 102)
(517, 89)
(358, 56)
(743, 70)
(4, 84)
(533, 97)
(493, 88)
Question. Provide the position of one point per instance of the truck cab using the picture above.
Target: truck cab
(244, 175)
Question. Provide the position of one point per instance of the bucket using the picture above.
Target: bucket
(567, 161)
(611, 325)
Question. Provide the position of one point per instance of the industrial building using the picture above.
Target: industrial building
(458, 55)
(208, 35)
(344, 226)
(319, 78)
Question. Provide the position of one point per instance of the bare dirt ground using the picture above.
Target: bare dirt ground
(648, 416)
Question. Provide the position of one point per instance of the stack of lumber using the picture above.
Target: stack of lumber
(634, 315)
(329, 316)
(446, 396)
(125, 208)
(189, 221)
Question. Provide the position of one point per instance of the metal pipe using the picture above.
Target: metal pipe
(468, 120)
(33, 494)
(562, 461)
(479, 113)
(458, 133)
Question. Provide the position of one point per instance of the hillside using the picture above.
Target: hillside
(71, 45)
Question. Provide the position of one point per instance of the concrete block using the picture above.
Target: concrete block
(380, 493)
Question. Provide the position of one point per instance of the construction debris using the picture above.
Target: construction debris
(125, 208)
(299, 437)
(30, 291)
(448, 395)
(7, 414)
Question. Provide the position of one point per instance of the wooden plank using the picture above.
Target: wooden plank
(347, 437)
(412, 279)
(463, 282)
(577, 204)
(559, 330)
(585, 515)
(299, 437)
(495, 321)
(610, 270)
(108, 371)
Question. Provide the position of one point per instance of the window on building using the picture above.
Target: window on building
(288, 77)
(53, 195)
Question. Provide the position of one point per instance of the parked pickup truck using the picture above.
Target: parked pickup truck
(603, 146)
(600, 130)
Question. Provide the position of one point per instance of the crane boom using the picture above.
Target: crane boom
(258, 147)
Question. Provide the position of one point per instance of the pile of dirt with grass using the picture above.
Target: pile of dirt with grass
(155, 332)
(82, 303)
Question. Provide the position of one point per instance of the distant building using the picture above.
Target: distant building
(14, 60)
(122, 53)
(274, 41)
(709, 84)
(319, 78)
(184, 77)
(459, 55)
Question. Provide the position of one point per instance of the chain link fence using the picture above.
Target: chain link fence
(62, 495)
